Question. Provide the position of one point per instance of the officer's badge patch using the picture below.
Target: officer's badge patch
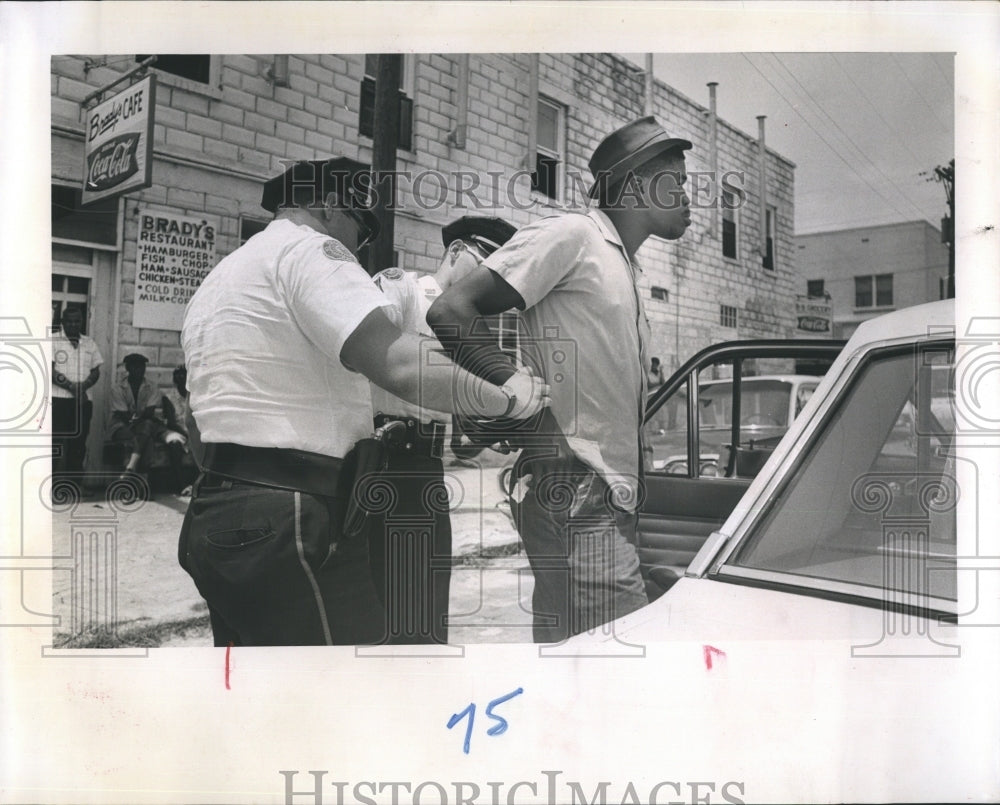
(392, 273)
(336, 250)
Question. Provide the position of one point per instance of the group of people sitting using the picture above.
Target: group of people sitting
(139, 416)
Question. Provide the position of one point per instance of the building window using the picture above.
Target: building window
(250, 227)
(771, 223)
(873, 291)
(883, 290)
(366, 115)
(548, 148)
(661, 294)
(193, 72)
(70, 291)
(728, 316)
(730, 225)
(816, 289)
(95, 223)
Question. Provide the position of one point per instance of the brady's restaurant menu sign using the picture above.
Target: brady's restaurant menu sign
(118, 146)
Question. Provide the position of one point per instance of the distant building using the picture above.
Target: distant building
(225, 123)
(871, 270)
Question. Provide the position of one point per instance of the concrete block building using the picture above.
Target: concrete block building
(867, 271)
(497, 134)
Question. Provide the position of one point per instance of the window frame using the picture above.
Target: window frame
(212, 88)
(734, 219)
(722, 567)
(769, 260)
(407, 99)
(558, 155)
(729, 313)
(872, 281)
(822, 287)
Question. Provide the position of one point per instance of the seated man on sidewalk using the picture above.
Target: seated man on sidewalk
(133, 422)
(177, 436)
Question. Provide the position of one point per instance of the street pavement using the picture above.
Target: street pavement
(122, 567)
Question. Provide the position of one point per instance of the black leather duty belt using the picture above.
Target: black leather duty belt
(283, 468)
(411, 435)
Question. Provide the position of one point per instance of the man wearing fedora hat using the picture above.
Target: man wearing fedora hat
(281, 340)
(575, 277)
(413, 573)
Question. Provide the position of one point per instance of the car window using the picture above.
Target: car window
(871, 502)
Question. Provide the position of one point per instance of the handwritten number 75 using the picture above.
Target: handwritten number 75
(497, 729)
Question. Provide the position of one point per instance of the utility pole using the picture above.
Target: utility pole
(945, 174)
(385, 140)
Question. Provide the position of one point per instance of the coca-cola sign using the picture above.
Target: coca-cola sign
(119, 142)
(113, 163)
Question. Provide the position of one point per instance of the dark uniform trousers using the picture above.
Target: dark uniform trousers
(275, 569)
(409, 536)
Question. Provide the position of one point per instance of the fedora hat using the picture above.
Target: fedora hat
(341, 175)
(487, 232)
(627, 148)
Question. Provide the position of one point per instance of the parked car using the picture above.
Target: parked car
(853, 508)
(840, 662)
(769, 404)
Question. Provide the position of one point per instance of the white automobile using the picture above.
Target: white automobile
(828, 599)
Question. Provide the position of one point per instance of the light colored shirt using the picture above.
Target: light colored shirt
(410, 295)
(180, 405)
(124, 401)
(589, 334)
(76, 363)
(262, 337)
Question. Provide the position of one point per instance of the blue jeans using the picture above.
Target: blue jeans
(581, 549)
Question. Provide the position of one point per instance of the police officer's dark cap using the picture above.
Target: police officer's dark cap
(486, 232)
(627, 148)
(346, 177)
(135, 358)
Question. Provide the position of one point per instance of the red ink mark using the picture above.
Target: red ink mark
(709, 652)
(229, 646)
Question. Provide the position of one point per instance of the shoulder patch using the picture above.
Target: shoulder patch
(392, 273)
(336, 250)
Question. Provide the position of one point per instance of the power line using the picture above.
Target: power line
(919, 94)
(825, 141)
(864, 156)
(874, 108)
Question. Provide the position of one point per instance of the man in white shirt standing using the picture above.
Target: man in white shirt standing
(281, 341)
(76, 366)
(411, 547)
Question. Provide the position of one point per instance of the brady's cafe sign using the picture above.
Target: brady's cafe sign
(118, 147)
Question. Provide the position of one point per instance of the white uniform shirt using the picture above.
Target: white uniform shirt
(584, 309)
(74, 362)
(410, 296)
(262, 338)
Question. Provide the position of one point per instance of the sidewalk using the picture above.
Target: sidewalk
(140, 587)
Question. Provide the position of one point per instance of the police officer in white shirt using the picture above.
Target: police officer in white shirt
(281, 341)
(411, 544)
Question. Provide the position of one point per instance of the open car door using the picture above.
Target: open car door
(708, 430)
